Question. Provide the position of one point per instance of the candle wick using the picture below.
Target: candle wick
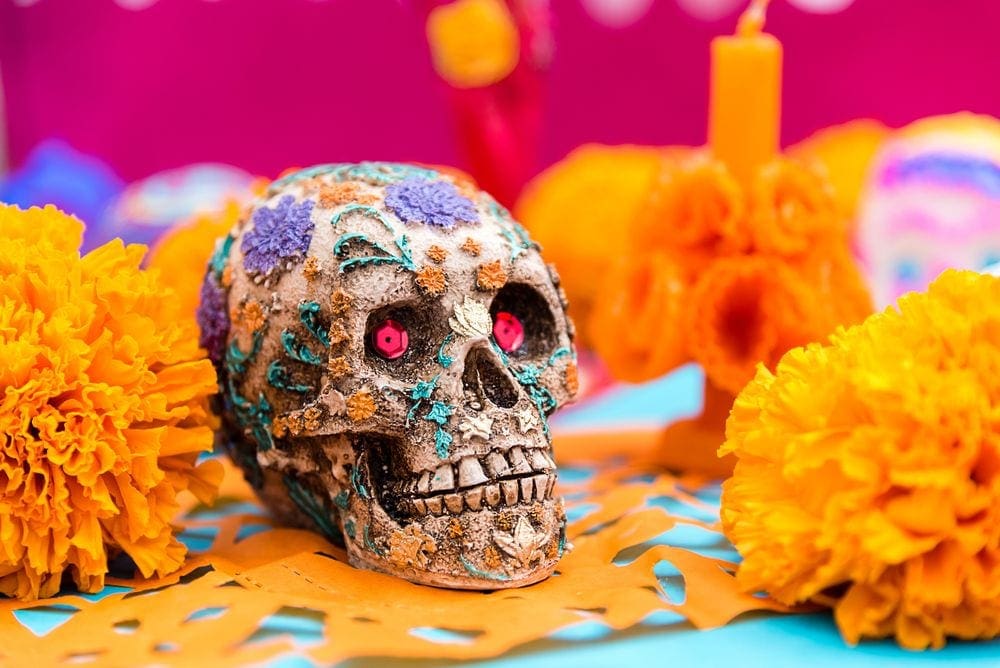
(751, 21)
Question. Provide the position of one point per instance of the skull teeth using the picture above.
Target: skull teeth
(518, 462)
(498, 479)
(424, 483)
(470, 472)
(454, 503)
(443, 479)
(474, 498)
(492, 493)
(496, 464)
(509, 489)
(435, 504)
(505, 493)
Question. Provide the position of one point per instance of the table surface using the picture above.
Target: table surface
(756, 639)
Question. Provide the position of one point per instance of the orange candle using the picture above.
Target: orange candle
(745, 109)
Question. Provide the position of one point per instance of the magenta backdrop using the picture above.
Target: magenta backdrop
(268, 84)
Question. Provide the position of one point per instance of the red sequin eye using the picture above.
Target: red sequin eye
(390, 340)
(508, 331)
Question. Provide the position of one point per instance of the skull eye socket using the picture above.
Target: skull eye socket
(508, 331)
(523, 323)
(400, 337)
(389, 339)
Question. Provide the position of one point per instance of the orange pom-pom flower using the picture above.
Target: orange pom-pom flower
(103, 408)
(752, 273)
(473, 42)
(868, 474)
(792, 209)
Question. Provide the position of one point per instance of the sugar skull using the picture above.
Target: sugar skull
(390, 346)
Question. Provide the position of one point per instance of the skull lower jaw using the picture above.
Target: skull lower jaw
(481, 550)
(503, 531)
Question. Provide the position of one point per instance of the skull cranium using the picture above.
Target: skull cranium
(391, 345)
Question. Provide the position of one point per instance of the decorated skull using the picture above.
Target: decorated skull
(390, 345)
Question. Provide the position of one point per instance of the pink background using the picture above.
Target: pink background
(264, 85)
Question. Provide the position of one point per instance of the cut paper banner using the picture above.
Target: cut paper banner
(647, 551)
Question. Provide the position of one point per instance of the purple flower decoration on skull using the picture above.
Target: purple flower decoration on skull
(430, 202)
(278, 234)
(213, 319)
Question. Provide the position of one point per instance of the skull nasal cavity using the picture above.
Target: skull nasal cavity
(488, 380)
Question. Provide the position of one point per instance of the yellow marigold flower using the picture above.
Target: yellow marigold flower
(103, 408)
(473, 43)
(582, 211)
(183, 252)
(868, 474)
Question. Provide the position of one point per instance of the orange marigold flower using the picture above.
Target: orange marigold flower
(103, 408)
(627, 326)
(744, 310)
(473, 43)
(868, 474)
(792, 209)
(183, 252)
(697, 208)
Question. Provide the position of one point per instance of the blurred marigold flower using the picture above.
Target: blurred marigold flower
(636, 327)
(868, 474)
(583, 209)
(103, 408)
(183, 252)
(696, 208)
(792, 209)
(845, 154)
(745, 310)
(474, 43)
(750, 275)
